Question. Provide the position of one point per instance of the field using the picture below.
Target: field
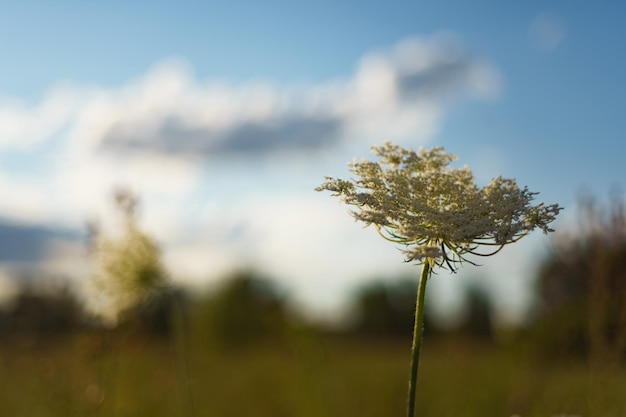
(116, 374)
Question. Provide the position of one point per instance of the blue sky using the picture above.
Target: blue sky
(224, 117)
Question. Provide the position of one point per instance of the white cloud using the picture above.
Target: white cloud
(66, 258)
(24, 200)
(404, 91)
(23, 126)
(201, 263)
(397, 92)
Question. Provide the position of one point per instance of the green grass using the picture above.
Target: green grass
(94, 375)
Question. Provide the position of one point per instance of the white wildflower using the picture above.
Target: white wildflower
(437, 212)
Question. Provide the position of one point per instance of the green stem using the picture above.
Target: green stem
(183, 360)
(417, 337)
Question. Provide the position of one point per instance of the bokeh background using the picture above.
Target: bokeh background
(220, 120)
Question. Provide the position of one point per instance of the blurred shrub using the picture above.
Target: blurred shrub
(246, 309)
(129, 275)
(130, 287)
(46, 315)
(41, 315)
(386, 308)
(581, 288)
(156, 316)
(477, 319)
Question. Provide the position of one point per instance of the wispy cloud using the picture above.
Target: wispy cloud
(175, 137)
(402, 89)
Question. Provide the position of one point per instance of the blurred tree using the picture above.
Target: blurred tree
(157, 315)
(477, 317)
(41, 315)
(582, 288)
(245, 310)
(385, 308)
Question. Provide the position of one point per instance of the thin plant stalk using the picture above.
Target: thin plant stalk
(417, 337)
(184, 379)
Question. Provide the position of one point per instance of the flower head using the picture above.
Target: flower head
(437, 212)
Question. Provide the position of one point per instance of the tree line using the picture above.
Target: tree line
(580, 303)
